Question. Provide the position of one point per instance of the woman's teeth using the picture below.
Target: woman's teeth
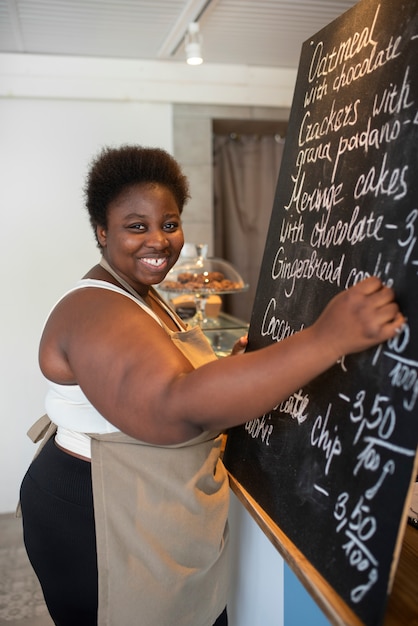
(154, 262)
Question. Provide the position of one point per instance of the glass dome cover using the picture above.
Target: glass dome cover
(203, 276)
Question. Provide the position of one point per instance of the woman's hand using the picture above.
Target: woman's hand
(240, 345)
(360, 317)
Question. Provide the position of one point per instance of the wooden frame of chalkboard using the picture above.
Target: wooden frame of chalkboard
(334, 465)
(402, 605)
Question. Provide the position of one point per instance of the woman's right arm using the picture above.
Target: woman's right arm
(249, 385)
(138, 380)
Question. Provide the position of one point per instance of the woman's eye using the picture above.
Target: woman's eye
(136, 227)
(171, 226)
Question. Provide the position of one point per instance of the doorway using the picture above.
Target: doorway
(246, 161)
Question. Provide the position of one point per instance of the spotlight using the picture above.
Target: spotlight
(193, 44)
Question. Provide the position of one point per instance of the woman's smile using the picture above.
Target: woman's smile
(144, 236)
(157, 263)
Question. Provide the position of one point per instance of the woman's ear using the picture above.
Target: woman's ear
(101, 235)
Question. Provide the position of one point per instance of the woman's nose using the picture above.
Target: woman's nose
(157, 239)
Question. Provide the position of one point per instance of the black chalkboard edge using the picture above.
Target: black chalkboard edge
(402, 606)
(334, 608)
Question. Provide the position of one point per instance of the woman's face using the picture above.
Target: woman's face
(144, 236)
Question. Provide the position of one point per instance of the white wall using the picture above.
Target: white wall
(256, 597)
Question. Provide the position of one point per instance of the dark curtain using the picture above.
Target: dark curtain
(246, 168)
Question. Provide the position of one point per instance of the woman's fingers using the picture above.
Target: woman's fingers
(360, 317)
(386, 309)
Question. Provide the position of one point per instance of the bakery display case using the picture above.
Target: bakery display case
(199, 280)
(225, 333)
(194, 288)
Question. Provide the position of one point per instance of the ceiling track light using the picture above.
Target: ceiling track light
(193, 44)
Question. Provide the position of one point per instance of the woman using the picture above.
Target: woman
(125, 505)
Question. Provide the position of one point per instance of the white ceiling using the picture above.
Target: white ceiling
(250, 32)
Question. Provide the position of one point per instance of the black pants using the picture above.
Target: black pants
(59, 534)
(60, 538)
(222, 619)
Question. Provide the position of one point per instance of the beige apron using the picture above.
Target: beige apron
(161, 521)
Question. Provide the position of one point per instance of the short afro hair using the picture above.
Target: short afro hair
(114, 170)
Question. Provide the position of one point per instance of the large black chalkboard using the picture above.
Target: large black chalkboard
(332, 466)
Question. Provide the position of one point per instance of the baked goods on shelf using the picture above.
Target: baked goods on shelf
(202, 275)
(198, 281)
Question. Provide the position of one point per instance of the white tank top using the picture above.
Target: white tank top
(68, 407)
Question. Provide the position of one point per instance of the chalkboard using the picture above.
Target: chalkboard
(332, 466)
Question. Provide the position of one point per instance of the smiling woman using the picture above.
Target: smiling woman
(143, 235)
(125, 506)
